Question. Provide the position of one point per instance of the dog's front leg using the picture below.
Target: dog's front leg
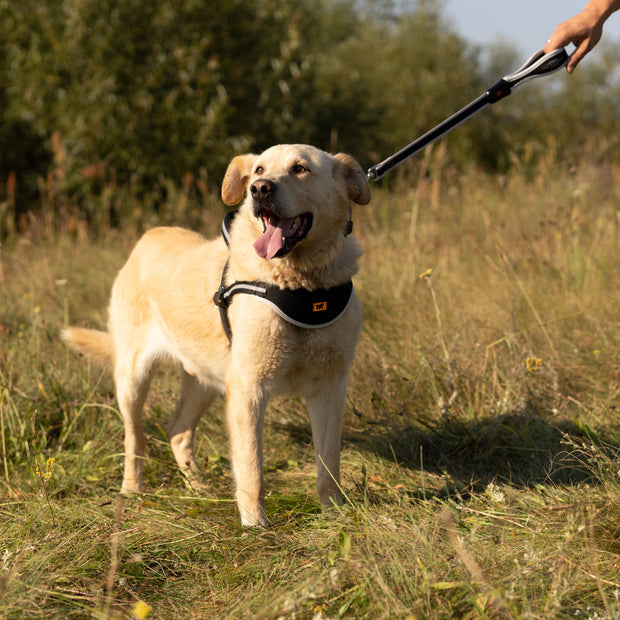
(245, 410)
(326, 410)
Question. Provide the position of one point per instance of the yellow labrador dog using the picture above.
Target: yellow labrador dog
(284, 319)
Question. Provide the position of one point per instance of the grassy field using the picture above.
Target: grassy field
(481, 447)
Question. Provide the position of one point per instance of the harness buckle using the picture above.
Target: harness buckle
(219, 299)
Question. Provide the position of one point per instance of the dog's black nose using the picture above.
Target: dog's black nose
(262, 189)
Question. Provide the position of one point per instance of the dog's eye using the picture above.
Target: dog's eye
(299, 169)
(259, 170)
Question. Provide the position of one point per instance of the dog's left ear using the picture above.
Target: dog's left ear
(236, 178)
(357, 184)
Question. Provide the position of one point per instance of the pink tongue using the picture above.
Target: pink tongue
(271, 241)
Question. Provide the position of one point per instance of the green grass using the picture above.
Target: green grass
(481, 447)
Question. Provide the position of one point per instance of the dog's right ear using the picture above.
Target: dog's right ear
(236, 178)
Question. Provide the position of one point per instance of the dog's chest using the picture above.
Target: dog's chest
(310, 366)
(295, 360)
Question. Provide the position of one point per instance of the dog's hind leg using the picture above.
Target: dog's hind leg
(195, 400)
(132, 384)
(326, 411)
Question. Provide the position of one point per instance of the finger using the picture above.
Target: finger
(576, 56)
(548, 46)
(583, 46)
(560, 38)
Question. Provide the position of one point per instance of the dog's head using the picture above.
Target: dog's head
(295, 193)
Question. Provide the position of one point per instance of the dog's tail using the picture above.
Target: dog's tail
(94, 344)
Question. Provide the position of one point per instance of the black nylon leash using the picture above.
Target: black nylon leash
(536, 66)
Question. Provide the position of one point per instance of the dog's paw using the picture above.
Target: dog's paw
(131, 486)
(334, 508)
(254, 519)
(195, 482)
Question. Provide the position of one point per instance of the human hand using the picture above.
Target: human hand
(583, 31)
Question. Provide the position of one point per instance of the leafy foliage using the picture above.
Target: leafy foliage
(133, 92)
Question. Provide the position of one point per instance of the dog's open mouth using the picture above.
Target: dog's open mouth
(281, 234)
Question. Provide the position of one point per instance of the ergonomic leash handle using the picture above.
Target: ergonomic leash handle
(537, 65)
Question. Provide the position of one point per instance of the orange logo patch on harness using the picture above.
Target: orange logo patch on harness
(319, 306)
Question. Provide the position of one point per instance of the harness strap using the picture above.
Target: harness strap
(226, 222)
(223, 297)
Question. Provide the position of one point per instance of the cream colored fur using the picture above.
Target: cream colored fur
(162, 307)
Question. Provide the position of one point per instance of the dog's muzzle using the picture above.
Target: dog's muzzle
(280, 234)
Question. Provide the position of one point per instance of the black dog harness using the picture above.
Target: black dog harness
(300, 307)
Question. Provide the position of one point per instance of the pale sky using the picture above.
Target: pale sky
(526, 24)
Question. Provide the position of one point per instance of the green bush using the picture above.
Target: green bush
(134, 93)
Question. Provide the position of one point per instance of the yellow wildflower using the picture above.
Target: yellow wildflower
(42, 389)
(48, 473)
(319, 611)
(141, 610)
(532, 363)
